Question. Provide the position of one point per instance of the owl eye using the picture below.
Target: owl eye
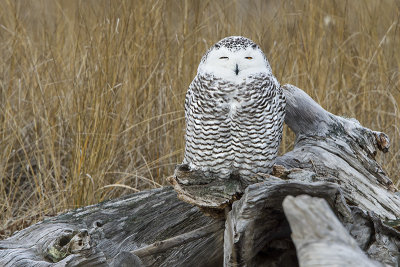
(248, 58)
(223, 58)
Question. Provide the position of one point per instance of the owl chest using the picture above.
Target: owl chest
(231, 102)
(227, 105)
(234, 105)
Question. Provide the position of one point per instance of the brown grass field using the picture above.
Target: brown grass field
(92, 92)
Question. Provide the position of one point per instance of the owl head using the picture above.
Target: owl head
(234, 59)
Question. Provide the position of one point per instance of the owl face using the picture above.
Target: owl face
(234, 59)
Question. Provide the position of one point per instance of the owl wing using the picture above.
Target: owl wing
(188, 101)
(281, 105)
(190, 105)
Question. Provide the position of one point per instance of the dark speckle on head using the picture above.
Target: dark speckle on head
(235, 43)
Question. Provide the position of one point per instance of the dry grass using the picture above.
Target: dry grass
(92, 92)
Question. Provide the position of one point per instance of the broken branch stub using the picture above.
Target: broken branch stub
(210, 193)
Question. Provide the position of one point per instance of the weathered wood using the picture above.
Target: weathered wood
(258, 227)
(162, 246)
(339, 150)
(257, 232)
(320, 238)
(211, 193)
(333, 158)
(95, 235)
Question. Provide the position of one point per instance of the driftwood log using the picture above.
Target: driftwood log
(327, 203)
(96, 235)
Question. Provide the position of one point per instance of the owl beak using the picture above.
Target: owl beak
(237, 69)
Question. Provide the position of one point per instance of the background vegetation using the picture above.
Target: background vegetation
(92, 92)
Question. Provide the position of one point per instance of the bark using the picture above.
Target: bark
(96, 235)
(339, 150)
(333, 159)
(320, 238)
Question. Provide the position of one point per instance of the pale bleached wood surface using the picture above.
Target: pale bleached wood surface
(319, 237)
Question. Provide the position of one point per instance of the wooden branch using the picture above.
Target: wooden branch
(210, 193)
(333, 158)
(339, 150)
(96, 235)
(320, 238)
(162, 246)
(258, 227)
(257, 230)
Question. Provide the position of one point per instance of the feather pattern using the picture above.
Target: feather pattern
(233, 127)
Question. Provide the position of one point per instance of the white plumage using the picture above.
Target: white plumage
(234, 111)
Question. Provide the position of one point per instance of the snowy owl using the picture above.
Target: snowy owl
(234, 111)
